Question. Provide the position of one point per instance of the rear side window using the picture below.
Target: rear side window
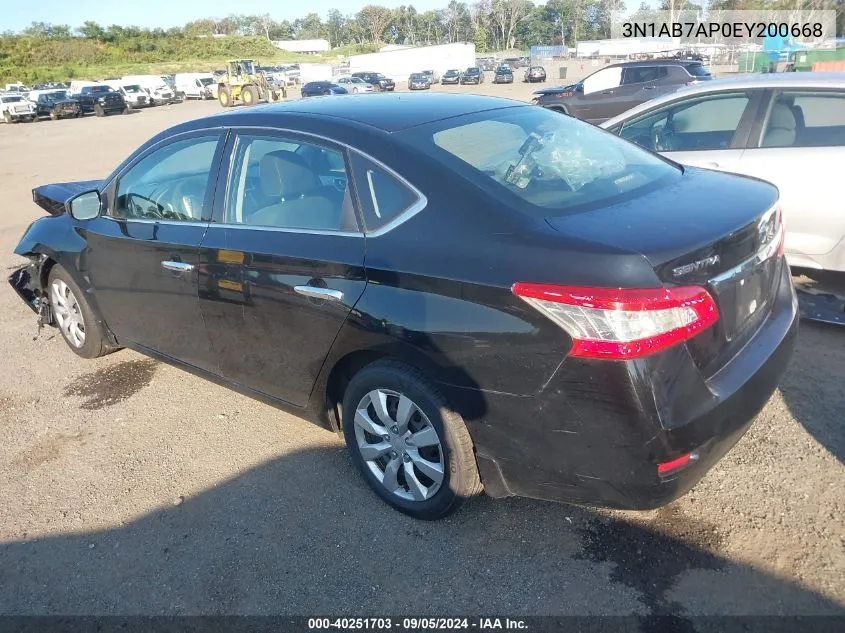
(384, 197)
(643, 74)
(806, 119)
(698, 70)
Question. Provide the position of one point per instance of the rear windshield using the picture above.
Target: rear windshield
(541, 160)
(698, 70)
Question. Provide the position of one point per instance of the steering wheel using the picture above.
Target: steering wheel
(661, 139)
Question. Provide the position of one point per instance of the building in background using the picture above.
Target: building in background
(307, 47)
(400, 63)
(626, 47)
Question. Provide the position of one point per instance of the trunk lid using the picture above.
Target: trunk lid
(707, 229)
(52, 198)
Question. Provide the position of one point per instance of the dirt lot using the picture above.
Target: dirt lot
(131, 487)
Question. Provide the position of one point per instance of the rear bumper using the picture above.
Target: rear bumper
(597, 431)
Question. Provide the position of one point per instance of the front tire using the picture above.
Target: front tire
(98, 110)
(413, 450)
(53, 115)
(224, 95)
(82, 330)
(249, 95)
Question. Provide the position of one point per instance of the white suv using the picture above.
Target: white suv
(14, 108)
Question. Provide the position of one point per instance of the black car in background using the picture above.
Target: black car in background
(57, 105)
(101, 100)
(419, 81)
(472, 75)
(452, 76)
(377, 80)
(503, 75)
(560, 314)
(619, 87)
(322, 88)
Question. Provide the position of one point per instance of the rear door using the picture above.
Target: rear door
(799, 145)
(143, 252)
(283, 262)
(708, 131)
(639, 84)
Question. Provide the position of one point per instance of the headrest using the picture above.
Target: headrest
(782, 118)
(284, 174)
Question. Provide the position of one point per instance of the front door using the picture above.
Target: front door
(143, 252)
(282, 265)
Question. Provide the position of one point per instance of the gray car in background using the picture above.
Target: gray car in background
(787, 128)
(619, 87)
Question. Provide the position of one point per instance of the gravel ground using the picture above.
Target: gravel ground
(131, 487)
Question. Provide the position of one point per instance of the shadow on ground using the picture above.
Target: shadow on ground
(302, 535)
(813, 387)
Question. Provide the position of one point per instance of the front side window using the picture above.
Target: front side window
(169, 184)
(542, 160)
(806, 119)
(384, 197)
(704, 123)
(285, 183)
(606, 79)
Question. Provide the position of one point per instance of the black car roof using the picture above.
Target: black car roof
(388, 112)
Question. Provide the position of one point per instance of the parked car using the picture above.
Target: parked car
(535, 74)
(473, 75)
(101, 100)
(55, 104)
(158, 87)
(322, 88)
(196, 85)
(787, 128)
(15, 108)
(619, 87)
(133, 94)
(419, 81)
(432, 75)
(355, 85)
(605, 339)
(503, 75)
(377, 80)
(451, 77)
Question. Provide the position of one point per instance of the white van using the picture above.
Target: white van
(77, 86)
(155, 86)
(196, 85)
(133, 94)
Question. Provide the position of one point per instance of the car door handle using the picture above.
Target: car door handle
(607, 92)
(713, 164)
(319, 293)
(649, 87)
(177, 267)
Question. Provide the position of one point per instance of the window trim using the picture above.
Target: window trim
(743, 130)
(755, 140)
(346, 149)
(109, 188)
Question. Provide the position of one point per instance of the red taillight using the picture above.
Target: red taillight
(683, 461)
(617, 323)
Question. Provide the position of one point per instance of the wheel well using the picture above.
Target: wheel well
(339, 378)
(46, 267)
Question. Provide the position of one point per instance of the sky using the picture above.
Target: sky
(17, 15)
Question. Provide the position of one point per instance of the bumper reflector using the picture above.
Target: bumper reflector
(683, 461)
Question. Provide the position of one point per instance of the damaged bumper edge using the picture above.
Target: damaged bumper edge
(26, 281)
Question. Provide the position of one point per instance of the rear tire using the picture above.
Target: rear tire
(428, 461)
(82, 330)
(7, 117)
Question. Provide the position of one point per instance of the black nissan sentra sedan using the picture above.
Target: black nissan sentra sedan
(557, 314)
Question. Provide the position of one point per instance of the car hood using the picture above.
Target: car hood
(52, 198)
(554, 89)
(62, 102)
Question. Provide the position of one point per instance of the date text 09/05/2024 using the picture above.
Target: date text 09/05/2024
(728, 30)
(416, 624)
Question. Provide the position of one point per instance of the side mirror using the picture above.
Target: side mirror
(85, 206)
(579, 87)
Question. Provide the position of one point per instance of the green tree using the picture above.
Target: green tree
(91, 30)
(375, 18)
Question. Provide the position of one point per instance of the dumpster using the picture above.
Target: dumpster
(562, 72)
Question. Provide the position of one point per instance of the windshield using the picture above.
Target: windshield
(55, 96)
(417, 76)
(12, 99)
(206, 81)
(472, 71)
(451, 72)
(98, 90)
(541, 158)
(132, 89)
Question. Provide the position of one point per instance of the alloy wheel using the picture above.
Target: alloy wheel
(399, 445)
(68, 313)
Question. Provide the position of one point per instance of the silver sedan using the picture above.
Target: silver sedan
(787, 128)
